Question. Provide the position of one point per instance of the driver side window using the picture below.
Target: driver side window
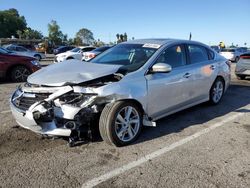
(174, 56)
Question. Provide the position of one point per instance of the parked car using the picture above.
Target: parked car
(232, 54)
(62, 49)
(16, 67)
(242, 69)
(90, 55)
(20, 50)
(75, 53)
(130, 85)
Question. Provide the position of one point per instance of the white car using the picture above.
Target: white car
(232, 54)
(20, 50)
(75, 53)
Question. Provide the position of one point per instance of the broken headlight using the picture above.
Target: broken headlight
(76, 99)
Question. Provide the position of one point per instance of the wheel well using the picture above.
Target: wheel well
(37, 55)
(69, 58)
(223, 80)
(8, 72)
(136, 102)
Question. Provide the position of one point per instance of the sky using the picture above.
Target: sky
(209, 21)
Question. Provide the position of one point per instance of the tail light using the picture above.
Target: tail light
(91, 56)
(245, 56)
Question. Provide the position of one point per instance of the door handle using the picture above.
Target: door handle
(187, 75)
(212, 67)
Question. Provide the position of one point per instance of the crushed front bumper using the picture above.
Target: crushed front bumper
(26, 120)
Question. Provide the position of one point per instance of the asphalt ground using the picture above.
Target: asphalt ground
(204, 146)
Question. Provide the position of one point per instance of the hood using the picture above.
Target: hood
(71, 72)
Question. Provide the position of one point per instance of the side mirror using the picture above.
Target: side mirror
(161, 68)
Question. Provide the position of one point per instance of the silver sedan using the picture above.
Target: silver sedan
(130, 85)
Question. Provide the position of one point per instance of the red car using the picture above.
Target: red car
(16, 67)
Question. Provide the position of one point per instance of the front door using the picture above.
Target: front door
(167, 92)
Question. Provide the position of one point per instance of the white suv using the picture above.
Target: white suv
(75, 53)
(232, 54)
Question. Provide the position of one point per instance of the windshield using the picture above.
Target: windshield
(75, 49)
(4, 51)
(131, 56)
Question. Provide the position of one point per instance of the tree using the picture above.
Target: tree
(85, 36)
(10, 23)
(55, 34)
(98, 43)
(30, 34)
(121, 37)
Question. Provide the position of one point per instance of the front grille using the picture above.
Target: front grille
(25, 101)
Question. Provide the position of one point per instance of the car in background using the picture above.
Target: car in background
(130, 85)
(75, 53)
(242, 69)
(232, 54)
(20, 50)
(62, 49)
(16, 67)
(216, 48)
(90, 55)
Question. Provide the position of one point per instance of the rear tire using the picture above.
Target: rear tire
(19, 74)
(216, 91)
(120, 123)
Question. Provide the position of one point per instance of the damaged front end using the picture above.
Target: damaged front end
(58, 111)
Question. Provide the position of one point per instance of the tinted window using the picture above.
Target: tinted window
(20, 49)
(12, 48)
(227, 50)
(75, 49)
(3, 51)
(197, 54)
(210, 54)
(174, 56)
(87, 49)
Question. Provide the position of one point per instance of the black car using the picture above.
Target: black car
(62, 49)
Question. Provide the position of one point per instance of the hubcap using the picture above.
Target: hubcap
(217, 91)
(21, 74)
(127, 123)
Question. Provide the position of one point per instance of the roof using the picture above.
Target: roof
(160, 41)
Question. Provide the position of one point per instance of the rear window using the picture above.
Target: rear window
(197, 54)
(228, 50)
(210, 54)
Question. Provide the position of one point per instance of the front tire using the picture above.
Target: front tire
(216, 91)
(120, 123)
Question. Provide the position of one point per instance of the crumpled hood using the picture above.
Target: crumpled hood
(71, 72)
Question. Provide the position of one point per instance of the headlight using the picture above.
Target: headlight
(36, 63)
(18, 93)
(76, 99)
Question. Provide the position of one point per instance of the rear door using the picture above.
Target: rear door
(203, 70)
